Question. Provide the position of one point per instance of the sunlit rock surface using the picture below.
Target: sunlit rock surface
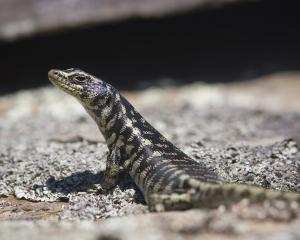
(52, 159)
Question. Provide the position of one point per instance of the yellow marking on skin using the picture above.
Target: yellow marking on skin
(160, 162)
(108, 88)
(159, 207)
(158, 185)
(123, 109)
(175, 174)
(194, 183)
(136, 131)
(143, 176)
(182, 179)
(135, 166)
(123, 128)
(170, 153)
(120, 115)
(118, 98)
(169, 169)
(127, 163)
(169, 186)
(156, 154)
(111, 122)
(129, 148)
(146, 142)
(134, 120)
(120, 141)
(105, 114)
(103, 100)
(149, 182)
(161, 145)
(131, 137)
(128, 124)
(145, 171)
(140, 148)
(139, 177)
(148, 132)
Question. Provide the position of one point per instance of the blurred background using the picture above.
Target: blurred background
(140, 43)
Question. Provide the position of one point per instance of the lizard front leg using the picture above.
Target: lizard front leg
(113, 169)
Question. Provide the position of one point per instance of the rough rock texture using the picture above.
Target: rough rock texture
(194, 224)
(27, 17)
(52, 160)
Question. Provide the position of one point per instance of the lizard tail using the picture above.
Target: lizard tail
(215, 195)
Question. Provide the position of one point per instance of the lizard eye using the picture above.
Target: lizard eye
(80, 79)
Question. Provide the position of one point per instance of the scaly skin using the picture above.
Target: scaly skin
(167, 177)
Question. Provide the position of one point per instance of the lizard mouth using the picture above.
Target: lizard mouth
(59, 79)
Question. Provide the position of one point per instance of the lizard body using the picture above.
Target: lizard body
(167, 177)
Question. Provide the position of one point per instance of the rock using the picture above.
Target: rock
(22, 18)
(194, 224)
(44, 174)
(15, 209)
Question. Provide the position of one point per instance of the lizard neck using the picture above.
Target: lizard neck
(121, 125)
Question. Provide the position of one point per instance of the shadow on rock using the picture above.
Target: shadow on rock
(84, 181)
(76, 182)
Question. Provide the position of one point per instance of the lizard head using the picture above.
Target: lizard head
(79, 84)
